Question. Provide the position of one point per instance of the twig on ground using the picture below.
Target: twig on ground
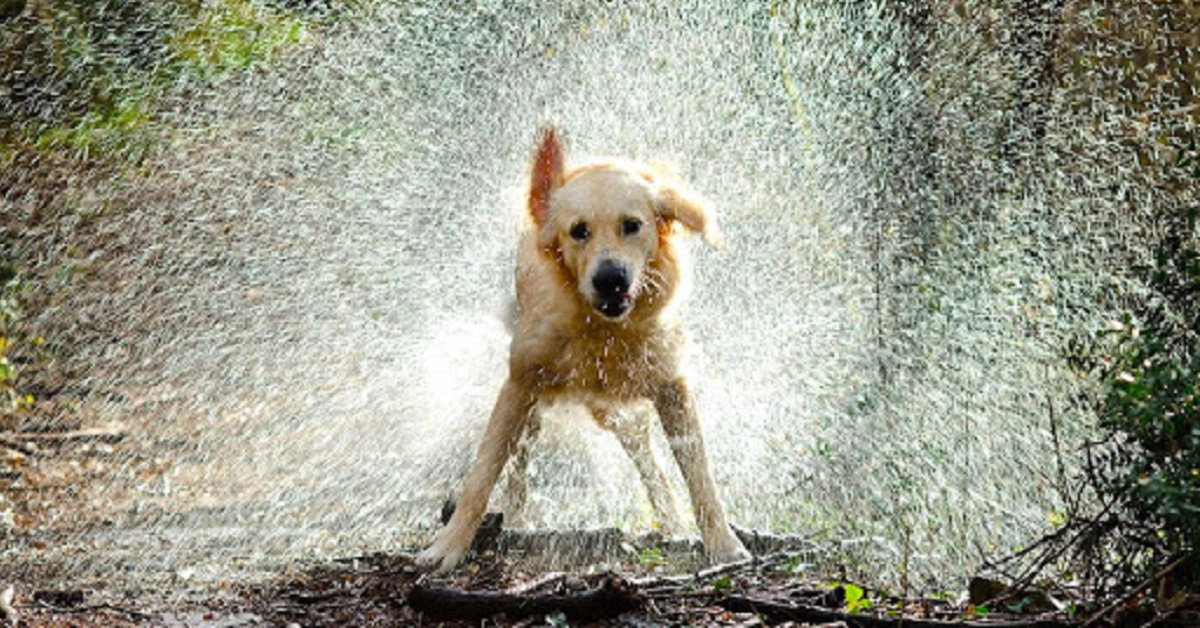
(721, 570)
(109, 433)
(549, 579)
(780, 611)
(17, 445)
(91, 608)
(1049, 548)
(663, 584)
(1134, 592)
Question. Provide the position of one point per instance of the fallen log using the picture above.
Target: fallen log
(781, 611)
(613, 597)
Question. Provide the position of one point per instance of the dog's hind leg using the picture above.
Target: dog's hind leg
(507, 422)
(632, 429)
(677, 412)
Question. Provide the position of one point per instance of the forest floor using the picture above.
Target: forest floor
(388, 590)
(56, 497)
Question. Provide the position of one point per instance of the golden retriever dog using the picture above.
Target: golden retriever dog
(599, 274)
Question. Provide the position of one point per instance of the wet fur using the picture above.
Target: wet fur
(616, 351)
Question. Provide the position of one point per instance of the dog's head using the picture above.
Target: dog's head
(607, 224)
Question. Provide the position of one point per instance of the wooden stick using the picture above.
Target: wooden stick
(1134, 591)
(108, 433)
(553, 577)
(721, 570)
(17, 445)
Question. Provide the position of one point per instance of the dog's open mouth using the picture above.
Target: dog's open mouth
(614, 307)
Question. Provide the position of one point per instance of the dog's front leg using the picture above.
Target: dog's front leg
(516, 489)
(682, 426)
(512, 409)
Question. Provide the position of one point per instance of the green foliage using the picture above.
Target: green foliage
(233, 36)
(9, 305)
(83, 76)
(10, 397)
(651, 557)
(1148, 370)
(977, 612)
(1151, 399)
(723, 584)
(76, 72)
(81, 83)
(856, 599)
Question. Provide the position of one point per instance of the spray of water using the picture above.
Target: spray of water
(320, 257)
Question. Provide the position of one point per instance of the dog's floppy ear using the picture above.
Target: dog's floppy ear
(547, 175)
(674, 204)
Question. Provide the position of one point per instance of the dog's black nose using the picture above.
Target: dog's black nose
(610, 280)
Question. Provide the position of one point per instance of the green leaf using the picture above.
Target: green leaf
(856, 600)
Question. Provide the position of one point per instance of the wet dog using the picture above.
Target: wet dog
(599, 275)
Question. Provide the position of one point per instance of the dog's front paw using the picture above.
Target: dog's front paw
(433, 559)
(731, 555)
(443, 555)
(726, 548)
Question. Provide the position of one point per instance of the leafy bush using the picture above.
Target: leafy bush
(83, 75)
(1148, 470)
(81, 82)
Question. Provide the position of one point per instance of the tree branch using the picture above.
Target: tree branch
(780, 611)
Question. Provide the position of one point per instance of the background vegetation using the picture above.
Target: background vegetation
(85, 86)
(1030, 178)
(1060, 97)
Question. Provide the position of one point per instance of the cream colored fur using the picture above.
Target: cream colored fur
(598, 326)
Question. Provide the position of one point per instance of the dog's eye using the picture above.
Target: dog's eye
(579, 231)
(630, 226)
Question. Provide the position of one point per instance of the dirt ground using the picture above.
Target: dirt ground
(54, 486)
(57, 502)
(388, 590)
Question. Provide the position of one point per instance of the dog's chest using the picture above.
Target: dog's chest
(610, 364)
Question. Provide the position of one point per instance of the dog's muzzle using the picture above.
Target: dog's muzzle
(610, 285)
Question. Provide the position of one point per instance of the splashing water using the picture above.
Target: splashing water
(313, 317)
